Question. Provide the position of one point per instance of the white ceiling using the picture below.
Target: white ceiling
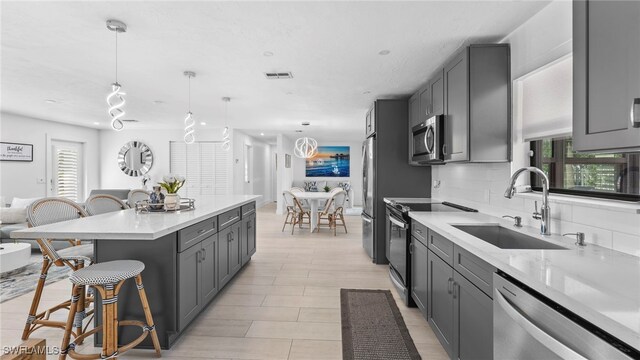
(63, 51)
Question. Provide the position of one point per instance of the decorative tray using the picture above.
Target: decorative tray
(144, 206)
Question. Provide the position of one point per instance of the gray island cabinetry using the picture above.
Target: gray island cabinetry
(189, 257)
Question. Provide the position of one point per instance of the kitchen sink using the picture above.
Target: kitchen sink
(504, 238)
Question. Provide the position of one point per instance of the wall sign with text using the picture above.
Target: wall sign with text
(16, 152)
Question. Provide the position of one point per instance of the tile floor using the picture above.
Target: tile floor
(285, 304)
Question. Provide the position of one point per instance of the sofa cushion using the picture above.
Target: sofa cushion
(22, 203)
(5, 230)
(13, 215)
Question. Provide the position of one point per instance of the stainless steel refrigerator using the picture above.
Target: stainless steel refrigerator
(386, 171)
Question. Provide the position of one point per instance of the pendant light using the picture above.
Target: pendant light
(115, 99)
(306, 148)
(226, 136)
(189, 122)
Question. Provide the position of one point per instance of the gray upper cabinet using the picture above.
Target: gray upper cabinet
(606, 75)
(477, 105)
(436, 93)
(370, 128)
(414, 111)
(425, 104)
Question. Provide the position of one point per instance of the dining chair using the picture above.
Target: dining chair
(103, 203)
(136, 195)
(43, 212)
(305, 204)
(333, 211)
(295, 211)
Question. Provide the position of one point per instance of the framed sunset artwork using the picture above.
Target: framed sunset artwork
(330, 161)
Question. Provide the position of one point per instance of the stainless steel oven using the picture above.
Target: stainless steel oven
(428, 140)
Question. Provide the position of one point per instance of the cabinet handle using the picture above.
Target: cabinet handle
(444, 149)
(201, 231)
(204, 254)
(635, 113)
(454, 287)
(419, 231)
(198, 257)
(411, 248)
(449, 287)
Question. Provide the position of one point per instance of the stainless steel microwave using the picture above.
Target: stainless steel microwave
(428, 139)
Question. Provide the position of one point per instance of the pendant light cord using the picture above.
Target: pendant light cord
(189, 93)
(116, 55)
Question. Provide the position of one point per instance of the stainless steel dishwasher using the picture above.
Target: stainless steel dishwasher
(526, 325)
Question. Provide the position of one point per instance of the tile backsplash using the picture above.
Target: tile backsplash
(482, 186)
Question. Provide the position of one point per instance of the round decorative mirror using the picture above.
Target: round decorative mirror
(135, 158)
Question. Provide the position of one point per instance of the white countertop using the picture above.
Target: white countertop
(127, 225)
(600, 285)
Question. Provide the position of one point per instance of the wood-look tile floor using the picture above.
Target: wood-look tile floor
(285, 303)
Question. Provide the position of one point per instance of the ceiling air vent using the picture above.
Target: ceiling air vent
(278, 75)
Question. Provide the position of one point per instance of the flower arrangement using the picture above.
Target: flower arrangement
(172, 183)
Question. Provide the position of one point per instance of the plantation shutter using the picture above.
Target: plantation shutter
(204, 165)
(67, 172)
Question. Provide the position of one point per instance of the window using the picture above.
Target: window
(67, 177)
(204, 165)
(607, 175)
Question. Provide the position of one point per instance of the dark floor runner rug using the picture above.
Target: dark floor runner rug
(373, 328)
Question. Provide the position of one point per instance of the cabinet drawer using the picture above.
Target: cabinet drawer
(227, 218)
(441, 246)
(248, 209)
(474, 269)
(193, 234)
(419, 231)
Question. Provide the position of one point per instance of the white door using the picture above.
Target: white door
(67, 172)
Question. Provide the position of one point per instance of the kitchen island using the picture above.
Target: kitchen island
(189, 256)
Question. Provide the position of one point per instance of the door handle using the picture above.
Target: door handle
(635, 113)
(398, 223)
(547, 340)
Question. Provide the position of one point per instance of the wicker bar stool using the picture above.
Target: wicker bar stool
(103, 203)
(48, 211)
(107, 278)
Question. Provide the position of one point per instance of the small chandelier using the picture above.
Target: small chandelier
(226, 136)
(189, 122)
(306, 147)
(115, 99)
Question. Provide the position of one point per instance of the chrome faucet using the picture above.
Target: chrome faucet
(545, 211)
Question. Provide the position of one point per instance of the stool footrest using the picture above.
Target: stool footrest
(74, 355)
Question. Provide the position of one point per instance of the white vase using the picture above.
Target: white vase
(172, 202)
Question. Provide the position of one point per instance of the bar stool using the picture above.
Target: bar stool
(107, 278)
(103, 203)
(48, 211)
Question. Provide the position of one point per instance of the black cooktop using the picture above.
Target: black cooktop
(434, 207)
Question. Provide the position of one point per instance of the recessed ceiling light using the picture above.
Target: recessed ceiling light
(203, 123)
(51, 101)
(289, 92)
(306, 123)
(366, 92)
(267, 53)
(384, 52)
(96, 123)
(158, 102)
(298, 130)
(261, 134)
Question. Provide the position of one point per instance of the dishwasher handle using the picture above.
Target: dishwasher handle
(542, 337)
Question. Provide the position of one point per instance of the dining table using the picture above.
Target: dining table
(313, 198)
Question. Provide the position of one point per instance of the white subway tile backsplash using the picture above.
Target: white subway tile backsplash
(627, 243)
(481, 186)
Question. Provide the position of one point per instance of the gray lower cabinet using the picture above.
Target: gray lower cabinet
(229, 255)
(460, 314)
(197, 280)
(472, 321)
(440, 301)
(248, 245)
(235, 252)
(606, 75)
(419, 275)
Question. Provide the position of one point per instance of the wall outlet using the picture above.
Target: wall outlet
(40, 180)
(436, 184)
